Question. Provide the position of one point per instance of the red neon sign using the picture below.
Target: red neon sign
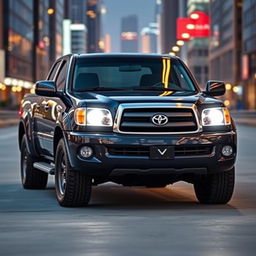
(201, 22)
(196, 25)
(182, 32)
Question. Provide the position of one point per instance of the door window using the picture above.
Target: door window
(53, 71)
(61, 78)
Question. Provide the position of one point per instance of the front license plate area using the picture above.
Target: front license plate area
(162, 152)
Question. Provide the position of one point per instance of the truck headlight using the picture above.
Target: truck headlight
(216, 116)
(93, 117)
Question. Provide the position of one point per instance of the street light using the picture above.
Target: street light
(103, 10)
(172, 53)
(228, 87)
(227, 103)
(194, 16)
(185, 35)
(50, 11)
(180, 43)
(175, 48)
(235, 89)
(2, 87)
(14, 82)
(7, 81)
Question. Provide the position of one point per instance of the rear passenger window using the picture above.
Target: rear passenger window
(61, 79)
(54, 70)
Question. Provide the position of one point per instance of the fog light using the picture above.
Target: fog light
(86, 152)
(227, 151)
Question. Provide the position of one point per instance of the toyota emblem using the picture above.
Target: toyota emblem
(159, 119)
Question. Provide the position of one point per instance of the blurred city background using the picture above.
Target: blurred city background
(216, 38)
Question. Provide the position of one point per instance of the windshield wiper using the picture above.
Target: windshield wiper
(99, 89)
(157, 89)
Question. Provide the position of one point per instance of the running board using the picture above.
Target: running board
(45, 167)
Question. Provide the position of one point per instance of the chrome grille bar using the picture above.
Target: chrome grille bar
(135, 118)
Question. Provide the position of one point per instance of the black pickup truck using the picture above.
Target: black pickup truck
(133, 119)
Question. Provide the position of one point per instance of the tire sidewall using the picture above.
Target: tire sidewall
(59, 151)
(29, 162)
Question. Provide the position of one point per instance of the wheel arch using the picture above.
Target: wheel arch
(58, 134)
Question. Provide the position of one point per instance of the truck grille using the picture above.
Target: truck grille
(139, 120)
(145, 151)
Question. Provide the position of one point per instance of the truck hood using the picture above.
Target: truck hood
(117, 97)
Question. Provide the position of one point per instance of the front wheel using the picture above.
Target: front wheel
(215, 188)
(72, 188)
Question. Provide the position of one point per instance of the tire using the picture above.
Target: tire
(73, 189)
(215, 188)
(31, 178)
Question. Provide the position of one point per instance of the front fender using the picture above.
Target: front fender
(26, 128)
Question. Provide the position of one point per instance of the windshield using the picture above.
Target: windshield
(130, 74)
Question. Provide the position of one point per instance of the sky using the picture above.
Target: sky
(116, 9)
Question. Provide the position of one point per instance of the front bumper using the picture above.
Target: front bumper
(103, 164)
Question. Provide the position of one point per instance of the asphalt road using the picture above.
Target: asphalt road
(127, 221)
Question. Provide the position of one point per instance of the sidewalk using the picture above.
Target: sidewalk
(246, 121)
(8, 118)
(245, 117)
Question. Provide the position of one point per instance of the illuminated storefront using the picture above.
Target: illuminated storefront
(30, 40)
(249, 53)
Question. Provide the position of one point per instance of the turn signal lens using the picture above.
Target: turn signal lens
(80, 116)
(93, 117)
(227, 116)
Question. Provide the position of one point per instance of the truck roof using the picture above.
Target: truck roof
(114, 55)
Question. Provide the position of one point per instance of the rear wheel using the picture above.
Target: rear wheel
(72, 188)
(215, 188)
(31, 178)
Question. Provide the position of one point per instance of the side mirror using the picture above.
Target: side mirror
(215, 88)
(46, 88)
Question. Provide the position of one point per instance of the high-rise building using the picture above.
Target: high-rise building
(198, 5)
(107, 43)
(3, 91)
(74, 26)
(56, 25)
(169, 14)
(225, 47)
(30, 40)
(78, 38)
(149, 38)
(197, 49)
(129, 34)
(19, 39)
(249, 52)
(170, 11)
(41, 40)
(77, 11)
(157, 20)
(93, 23)
(1, 24)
